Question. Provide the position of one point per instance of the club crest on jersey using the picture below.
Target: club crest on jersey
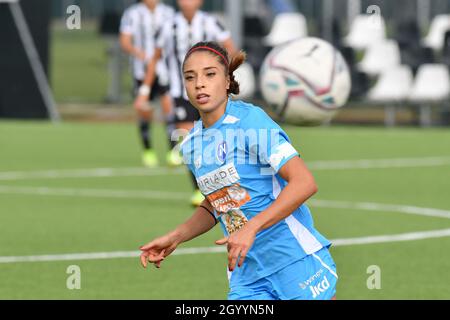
(222, 150)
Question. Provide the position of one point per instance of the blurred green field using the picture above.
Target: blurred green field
(79, 65)
(67, 214)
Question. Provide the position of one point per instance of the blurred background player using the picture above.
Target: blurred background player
(188, 27)
(139, 28)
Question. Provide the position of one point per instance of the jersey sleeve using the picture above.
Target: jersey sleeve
(170, 12)
(217, 30)
(272, 146)
(127, 23)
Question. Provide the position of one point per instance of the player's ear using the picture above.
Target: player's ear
(228, 82)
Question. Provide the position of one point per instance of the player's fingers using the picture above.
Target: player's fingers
(232, 258)
(144, 259)
(158, 264)
(162, 255)
(139, 103)
(222, 241)
(242, 257)
(155, 258)
(147, 247)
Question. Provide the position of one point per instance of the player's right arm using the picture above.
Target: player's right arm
(128, 28)
(126, 43)
(144, 90)
(199, 223)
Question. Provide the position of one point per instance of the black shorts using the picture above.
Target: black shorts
(185, 111)
(157, 89)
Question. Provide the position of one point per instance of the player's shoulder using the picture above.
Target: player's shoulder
(168, 25)
(177, 20)
(134, 9)
(178, 16)
(211, 19)
(129, 18)
(169, 11)
(248, 114)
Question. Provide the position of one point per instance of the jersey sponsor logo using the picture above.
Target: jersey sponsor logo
(320, 288)
(311, 279)
(222, 150)
(218, 179)
(233, 220)
(228, 198)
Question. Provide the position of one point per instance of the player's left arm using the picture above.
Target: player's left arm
(230, 46)
(300, 187)
(222, 35)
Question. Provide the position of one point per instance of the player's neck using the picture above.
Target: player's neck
(210, 118)
(189, 16)
(152, 7)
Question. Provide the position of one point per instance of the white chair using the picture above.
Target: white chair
(380, 56)
(286, 27)
(245, 76)
(392, 88)
(394, 85)
(436, 34)
(365, 30)
(432, 85)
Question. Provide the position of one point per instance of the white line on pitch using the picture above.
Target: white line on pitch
(181, 196)
(132, 172)
(379, 163)
(393, 238)
(368, 206)
(95, 193)
(89, 173)
(208, 250)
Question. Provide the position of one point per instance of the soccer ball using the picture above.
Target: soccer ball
(306, 81)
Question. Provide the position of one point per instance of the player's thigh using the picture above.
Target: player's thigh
(166, 104)
(312, 278)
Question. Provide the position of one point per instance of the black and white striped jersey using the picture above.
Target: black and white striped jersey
(144, 26)
(178, 36)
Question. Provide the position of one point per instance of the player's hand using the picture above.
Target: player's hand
(157, 250)
(139, 54)
(141, 106)
(238, 245)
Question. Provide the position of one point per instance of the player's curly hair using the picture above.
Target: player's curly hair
(222, 54)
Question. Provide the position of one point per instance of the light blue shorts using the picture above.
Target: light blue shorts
(312, 278)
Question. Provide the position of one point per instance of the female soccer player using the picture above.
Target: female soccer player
(255, 184)
(189, 26)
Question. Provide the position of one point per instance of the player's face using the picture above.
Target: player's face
(206, 81)
(189, 7)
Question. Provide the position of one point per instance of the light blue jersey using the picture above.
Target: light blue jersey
(236, 163)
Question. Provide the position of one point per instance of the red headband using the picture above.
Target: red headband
(209, 49)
